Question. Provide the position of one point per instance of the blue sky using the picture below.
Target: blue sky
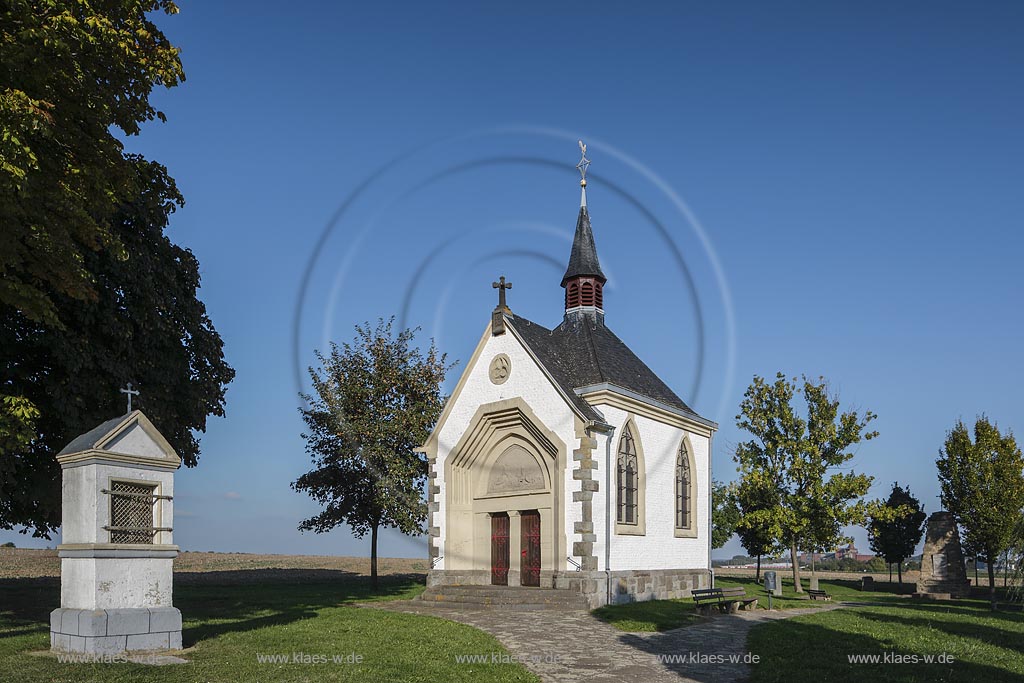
(830, 190)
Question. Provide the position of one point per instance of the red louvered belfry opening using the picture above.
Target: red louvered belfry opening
(584, 291)
(499, 548)
(572, 295)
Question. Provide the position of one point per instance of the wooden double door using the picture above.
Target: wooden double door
(529, 545)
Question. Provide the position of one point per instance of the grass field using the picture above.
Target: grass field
(228, 626)
(665, 615)
(207, 567)
(985, 646)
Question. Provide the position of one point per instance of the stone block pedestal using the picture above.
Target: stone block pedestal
(112, 631)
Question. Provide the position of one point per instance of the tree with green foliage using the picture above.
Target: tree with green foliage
(145, 325)
(92, 292)
(376, 400)
(895, 527)
(983, 486)
(72, 74)
(725, 515)
(756, 536)
(792, 461)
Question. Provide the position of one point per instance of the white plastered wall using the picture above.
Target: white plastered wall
(658, 548)
(87, 511)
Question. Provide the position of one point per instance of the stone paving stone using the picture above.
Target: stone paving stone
(574, 647)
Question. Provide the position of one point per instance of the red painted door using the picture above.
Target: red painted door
(499, 548)
(530, 565)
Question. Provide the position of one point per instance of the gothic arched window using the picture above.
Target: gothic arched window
(684, 480)
(628, 479)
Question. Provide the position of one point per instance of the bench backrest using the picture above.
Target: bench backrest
(736, 592)
(816, 592)
(704, 594)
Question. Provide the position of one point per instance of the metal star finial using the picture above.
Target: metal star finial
(584, 162)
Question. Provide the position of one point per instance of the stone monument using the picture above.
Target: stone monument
(943, 574)
(117, 551)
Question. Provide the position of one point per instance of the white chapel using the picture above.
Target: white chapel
(562, 461)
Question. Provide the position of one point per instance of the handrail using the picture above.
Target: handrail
(434, 561)
(579, 567)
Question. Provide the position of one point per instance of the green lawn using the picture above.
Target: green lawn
(986, 646)
(226, 627)
(840, 590)
(665, 615)
(653, 615)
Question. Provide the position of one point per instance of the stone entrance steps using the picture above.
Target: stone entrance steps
(512, 598)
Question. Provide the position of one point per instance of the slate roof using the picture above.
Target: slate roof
(583, 257)
(582, 351)
(88, 441)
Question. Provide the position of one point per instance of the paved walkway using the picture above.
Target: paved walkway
(574, 647)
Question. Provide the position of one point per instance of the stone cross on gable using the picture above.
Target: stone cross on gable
(130, 392)
(501, 286)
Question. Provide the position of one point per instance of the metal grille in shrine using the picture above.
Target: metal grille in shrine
(132, 506)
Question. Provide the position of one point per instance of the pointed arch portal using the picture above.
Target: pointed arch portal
(504, 498)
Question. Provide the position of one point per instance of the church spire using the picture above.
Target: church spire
(583, 279)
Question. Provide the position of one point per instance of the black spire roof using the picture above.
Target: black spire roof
(583, 259)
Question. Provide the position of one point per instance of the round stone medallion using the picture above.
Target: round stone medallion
(501, 368)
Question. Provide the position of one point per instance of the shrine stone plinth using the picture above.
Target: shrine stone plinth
(943, 573)
(117, 550)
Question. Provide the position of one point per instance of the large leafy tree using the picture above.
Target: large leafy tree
(982, 484)
(375, 401)
(72, 73)
(895, 527)
(75, 77)
(144, 325)
(795, 462)
(725, 514)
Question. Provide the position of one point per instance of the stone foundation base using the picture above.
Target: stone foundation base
(950, 589)
(633, 585)
(481, 577)
(113, 631)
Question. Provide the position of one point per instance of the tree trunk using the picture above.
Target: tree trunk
(991, 580)
(976, 583)
(757, 579)
(796, 568)
(1006, 566)
(890, 572)
(373, 557)
(899, 572)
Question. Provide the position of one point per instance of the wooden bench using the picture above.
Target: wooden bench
(706, 598)
(725, 599)
(818, 595)
(734, 599)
